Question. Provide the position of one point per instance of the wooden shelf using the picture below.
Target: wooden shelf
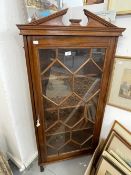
(76, 139)
(72, 130)
(69, 76)
(63, 107)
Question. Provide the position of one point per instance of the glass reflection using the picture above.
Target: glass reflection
(70, 82)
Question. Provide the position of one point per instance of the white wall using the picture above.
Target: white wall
(123, 49)
(15, 106)
(124, 43)
(8, 142)
(111, 114)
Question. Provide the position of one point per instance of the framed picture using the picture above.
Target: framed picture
(121, 152)
(121, 7)
(121, 131)
(106, 168)
(90, 2)
(117, 162)
(120, 86)
(41, 8)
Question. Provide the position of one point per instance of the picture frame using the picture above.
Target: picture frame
(106, 168)
(121, 7)
(120, 86)
(123, 151)
(121, 131)
(37, 9)
(91, 2)
(119, 165)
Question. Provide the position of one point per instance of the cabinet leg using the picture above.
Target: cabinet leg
(41, 168)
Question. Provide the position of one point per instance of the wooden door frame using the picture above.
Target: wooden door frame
(35, 90)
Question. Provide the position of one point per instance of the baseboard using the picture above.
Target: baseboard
(22, 166)
(17, 162)
(28, 162)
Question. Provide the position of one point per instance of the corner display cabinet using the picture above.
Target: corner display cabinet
(68, 69)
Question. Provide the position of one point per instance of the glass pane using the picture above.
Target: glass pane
(73, 58)
(70, 116)
(56, 83)
(58, 127)
(49, 120)
(87, 144)
(50, 54)
(73, 100)
(85, 87)
(83, 124)
(98, 55)
(70, 146)
(91, 108)
(49, 105)
(51, 151)
(70, 83)
(90, 68)
(58, 140)
(82, 136)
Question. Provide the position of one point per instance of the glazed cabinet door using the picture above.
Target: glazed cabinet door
(67, 87)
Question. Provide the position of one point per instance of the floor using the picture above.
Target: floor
(75, 166)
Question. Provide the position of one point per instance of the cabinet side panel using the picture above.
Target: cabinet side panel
(28, 64)
(37, 100)
(104, 88)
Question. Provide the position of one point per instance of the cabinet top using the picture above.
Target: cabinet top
(53, 25)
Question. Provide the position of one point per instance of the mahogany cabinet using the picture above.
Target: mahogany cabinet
(68, 69)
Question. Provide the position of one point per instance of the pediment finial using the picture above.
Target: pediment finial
(75, 16)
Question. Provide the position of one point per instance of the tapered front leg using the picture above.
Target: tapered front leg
(42, 169)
